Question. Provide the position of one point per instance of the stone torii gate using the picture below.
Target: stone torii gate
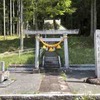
(63, 33)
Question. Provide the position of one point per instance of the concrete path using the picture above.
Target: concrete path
(53, 82)
(25, 83)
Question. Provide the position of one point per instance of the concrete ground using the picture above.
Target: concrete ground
(75, 81)
(26, 83)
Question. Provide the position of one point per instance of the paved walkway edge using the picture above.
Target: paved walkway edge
(31, 68)
(49, 96)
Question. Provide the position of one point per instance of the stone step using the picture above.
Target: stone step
(21, 69)
(51, 58)
(47, 67)
(52, 66)
(52, 70)
(51, 62)
(50, 54)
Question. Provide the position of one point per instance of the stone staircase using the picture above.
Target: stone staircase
(51, 61)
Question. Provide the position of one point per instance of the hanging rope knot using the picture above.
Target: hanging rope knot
(51, 47)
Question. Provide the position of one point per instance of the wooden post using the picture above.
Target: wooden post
(66, 52)
(37, 53)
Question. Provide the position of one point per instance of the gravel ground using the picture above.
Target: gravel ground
(25, 83)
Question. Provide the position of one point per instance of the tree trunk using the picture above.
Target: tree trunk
(13, 17)
(27, 25)
(93, 17)
(19, 17)
(4, 26)
(54, 24)
(10, 17)
(21, 25)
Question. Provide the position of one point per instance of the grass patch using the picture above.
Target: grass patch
(81, 50)
(13, 44)
(63, 75)
(16, 59)
(8, 37)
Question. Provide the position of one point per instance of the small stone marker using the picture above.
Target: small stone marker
(97, 52)
(4, 75)
(2, 65)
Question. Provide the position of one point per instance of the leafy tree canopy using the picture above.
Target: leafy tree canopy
(54, 7)
(47, 8)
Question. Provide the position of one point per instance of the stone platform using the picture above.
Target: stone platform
(48, 83)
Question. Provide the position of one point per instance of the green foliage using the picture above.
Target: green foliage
(81, 50)
(46, 8)
(27, 58)
(64, 76)
(55, 7)
(13, 43)
(29, 9)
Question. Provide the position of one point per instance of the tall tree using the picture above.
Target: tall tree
(13, 4)
(46, 9)
(10, 17)
(21, 25)
(4, 26)
(93, 17)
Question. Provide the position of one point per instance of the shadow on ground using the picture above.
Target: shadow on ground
(80, 74)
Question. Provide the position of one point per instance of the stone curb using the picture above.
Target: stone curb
(30, 67)
(50, 96)
(82, 67)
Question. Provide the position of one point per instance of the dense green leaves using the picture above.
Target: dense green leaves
(73, 12)
(55, 7)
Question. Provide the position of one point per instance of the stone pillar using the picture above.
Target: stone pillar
(37, 52)
(66, 52)
(97, 52)
(2, 65)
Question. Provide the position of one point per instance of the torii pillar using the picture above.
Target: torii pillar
(66, 55)
(37, 52)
